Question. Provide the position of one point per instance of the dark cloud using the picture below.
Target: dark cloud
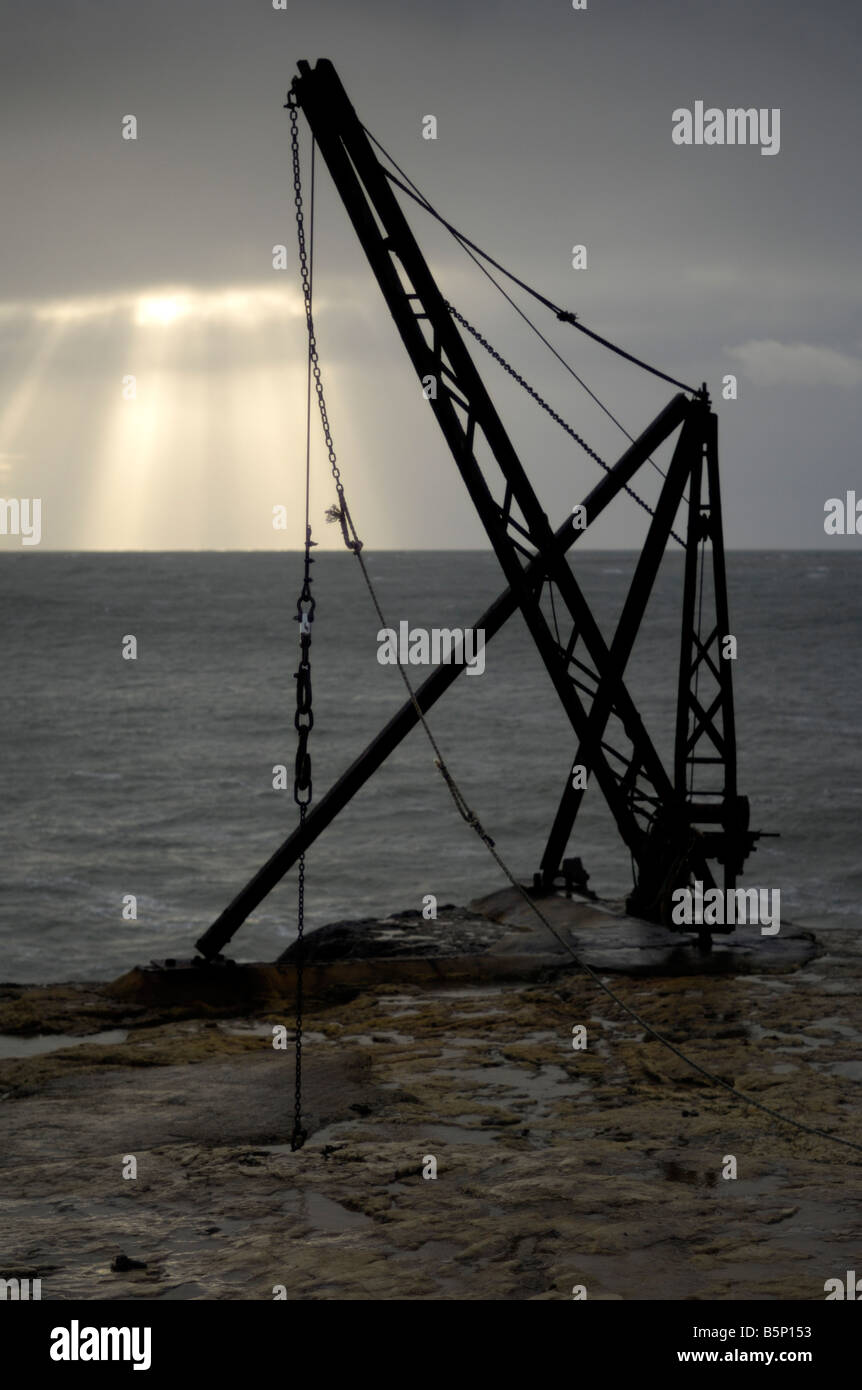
(554, 128)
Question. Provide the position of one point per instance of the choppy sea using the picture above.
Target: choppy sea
(154, 777)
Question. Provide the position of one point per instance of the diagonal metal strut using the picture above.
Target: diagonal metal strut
(323, 812)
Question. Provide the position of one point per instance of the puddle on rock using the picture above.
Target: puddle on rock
(456, 1134)
(13, 1046)
(675, 1172)
(261, 1030)
(851, 1071)
(523, 1086)
(375, 1039)
(324, 1214)
(438, 1251)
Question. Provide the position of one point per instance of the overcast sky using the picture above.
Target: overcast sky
(153, 257)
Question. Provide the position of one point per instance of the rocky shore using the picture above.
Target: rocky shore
(599, 1167)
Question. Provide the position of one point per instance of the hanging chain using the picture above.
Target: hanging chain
(340, 512)
(304, 718)
(303, 722)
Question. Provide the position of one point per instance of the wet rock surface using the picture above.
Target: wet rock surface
(455, 931)
(503, 926)
(555, 1167)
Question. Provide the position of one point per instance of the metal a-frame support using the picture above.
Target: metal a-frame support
(712, 821)
(640, 793)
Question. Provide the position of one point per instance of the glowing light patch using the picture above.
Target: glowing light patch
(243, 306)
(158, 309)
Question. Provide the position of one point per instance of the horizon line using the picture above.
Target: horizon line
(400, 550)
